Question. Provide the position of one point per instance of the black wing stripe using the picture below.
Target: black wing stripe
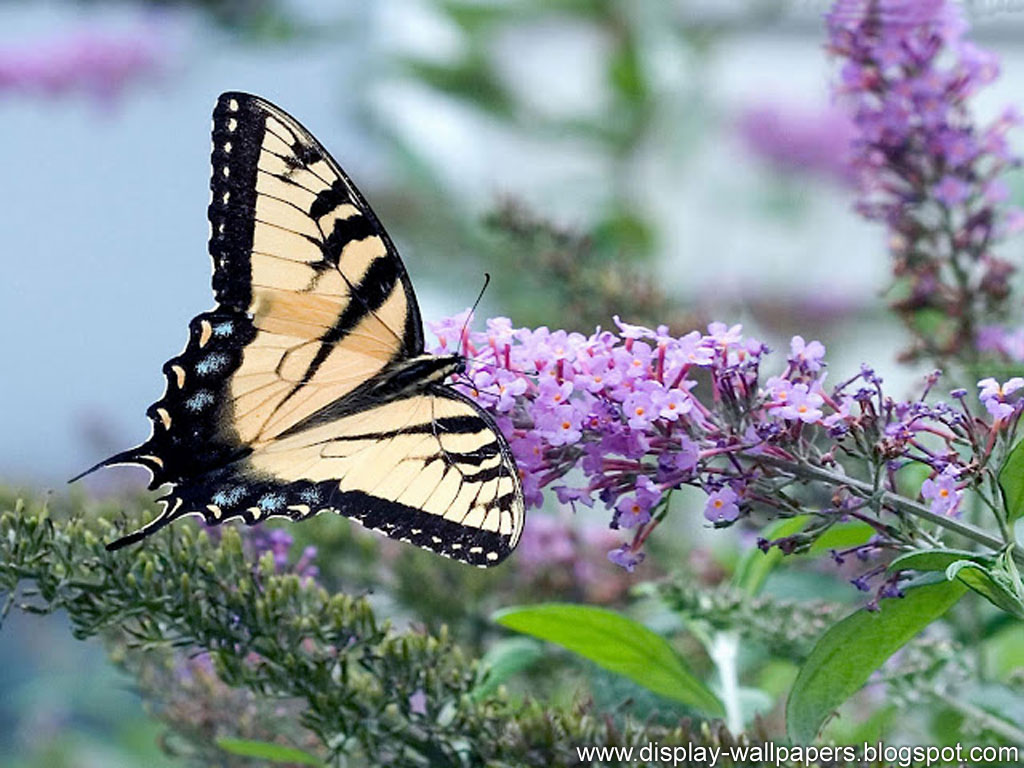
(367, 296)
(345, 231)
(289, 180)
(327, 200)
(463, 425)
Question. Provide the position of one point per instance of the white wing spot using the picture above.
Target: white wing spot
(232, 124)
(227, 147)
(226, 171)
(492, 556)
(233, 105)
(225, 197)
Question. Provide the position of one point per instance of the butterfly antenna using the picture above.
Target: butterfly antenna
(463, 339)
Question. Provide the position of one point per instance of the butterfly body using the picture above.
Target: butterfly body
(307, 388)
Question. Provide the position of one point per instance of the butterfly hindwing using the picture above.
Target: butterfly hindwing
(430, 469)
(306, 389)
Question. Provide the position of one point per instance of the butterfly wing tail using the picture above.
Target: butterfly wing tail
(137, 455)
(170, 513)
(125, 457)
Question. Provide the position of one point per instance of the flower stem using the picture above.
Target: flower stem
(895, 501)
(986, 720)
(723, 651)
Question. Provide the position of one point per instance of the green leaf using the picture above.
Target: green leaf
(265, 750)
(988, 584)
(843, 535)
(755, 566)
(616, 643)
(505, 659)
(851, 649)
(936, 559)
(1011, 480)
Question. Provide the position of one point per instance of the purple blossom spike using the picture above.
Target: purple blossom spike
(926, 168)
(795, 139)
(621, 419)
(101, 64)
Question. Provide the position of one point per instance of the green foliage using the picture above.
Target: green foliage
(616, 643)
(847, 654)
(999, 584)
(787, 628)
(1011, 481)
(584, 275)
(755, 566)
(361, 690)
(935, 559)
(272, 753)
(504, 660)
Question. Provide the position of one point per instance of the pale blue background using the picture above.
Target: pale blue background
(103, 210)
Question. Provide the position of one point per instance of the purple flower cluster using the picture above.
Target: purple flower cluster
(800, 140)
(279, 543)
(101, 65)
(623, 418)
(925, 168)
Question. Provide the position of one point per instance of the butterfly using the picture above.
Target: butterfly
(307, 388)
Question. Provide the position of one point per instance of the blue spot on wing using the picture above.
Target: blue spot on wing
(310, 495)
(271, 502)
(199, 400)
(228, 497)
(211, 363)
(223, 329)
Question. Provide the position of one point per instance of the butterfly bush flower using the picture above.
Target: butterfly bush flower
(799, 140)
(995, 396)
(100, 64)
(279, 543)
(620, 420)
(926, 168)
(942, 492)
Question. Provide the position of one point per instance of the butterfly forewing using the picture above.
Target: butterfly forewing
(271, 411)
(297, 248)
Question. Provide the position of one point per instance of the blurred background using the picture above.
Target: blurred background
(674, 162)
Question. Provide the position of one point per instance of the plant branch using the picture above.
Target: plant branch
(889, 499)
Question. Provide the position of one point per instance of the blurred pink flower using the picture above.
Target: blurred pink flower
(800, 140)
(100, 64)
